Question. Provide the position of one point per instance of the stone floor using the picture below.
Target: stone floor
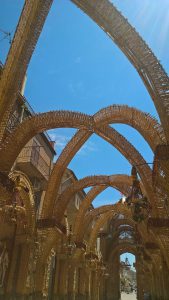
(131, 296)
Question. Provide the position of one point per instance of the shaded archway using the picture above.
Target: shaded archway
(93, 215)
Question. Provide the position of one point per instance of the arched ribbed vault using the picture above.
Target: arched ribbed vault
(64, 198)
(63, 119)
(155, 80)
(143, 122)
(113, 23)
(91, 216)
(146, 125)
(53, 234)
(102, 220)
(118, 141)
(91, 195)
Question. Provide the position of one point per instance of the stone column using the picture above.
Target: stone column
(139, 274)
(71, 281)
(81, 283)
(147, 280)
(102, 289)
(157, 286)
(12, 273)
(165, 278)
(23, 269)
(61, 283)
(94, 285)
(113, 287)
(88, 284)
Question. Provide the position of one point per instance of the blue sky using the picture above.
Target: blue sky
(77, 67)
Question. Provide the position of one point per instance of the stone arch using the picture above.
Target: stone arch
(108, 134)
(65, 197)
(137, 51)
(102, 220)
(36, 124)
(122, 248)
(120, 31)
(118, 141)
(145, 124)
(55, 119)
(21, 50)
(52, 235)
(121, 230)
(91, 195)
(59, 168)
(97, 212)
(135, 158)
(122, 222)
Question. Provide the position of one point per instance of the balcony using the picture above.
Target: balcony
(32, 163)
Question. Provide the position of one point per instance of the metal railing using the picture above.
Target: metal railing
(30, 109)
(15, 120)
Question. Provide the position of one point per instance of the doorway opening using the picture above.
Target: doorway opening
(128, 282)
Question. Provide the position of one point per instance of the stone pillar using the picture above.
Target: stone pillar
(94, 285)
(12, 273)
(140, 278)
(102, 289)
(165, 278)
(158, 291)
(71, 281)
(113, 286)
(88, 284)
(23, 268)
(61, 280)
(147, 281)
(81, 283)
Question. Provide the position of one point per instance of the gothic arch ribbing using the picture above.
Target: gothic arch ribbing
(102, 220)
(80, 220)
(115, 25)
(84, 226)
(143, 122)
(65, 197)
(38, 123)
(137, 51)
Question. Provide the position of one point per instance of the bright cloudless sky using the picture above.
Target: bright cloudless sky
(77, 67)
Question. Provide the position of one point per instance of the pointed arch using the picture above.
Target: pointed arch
(49, 120)
(103, 219)
(114, 24)
(117, 27)
(29, 27)
(143, 122)
(61, 119)
(94, 214)
(37, 124)
(80, 220)
(64, 198)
